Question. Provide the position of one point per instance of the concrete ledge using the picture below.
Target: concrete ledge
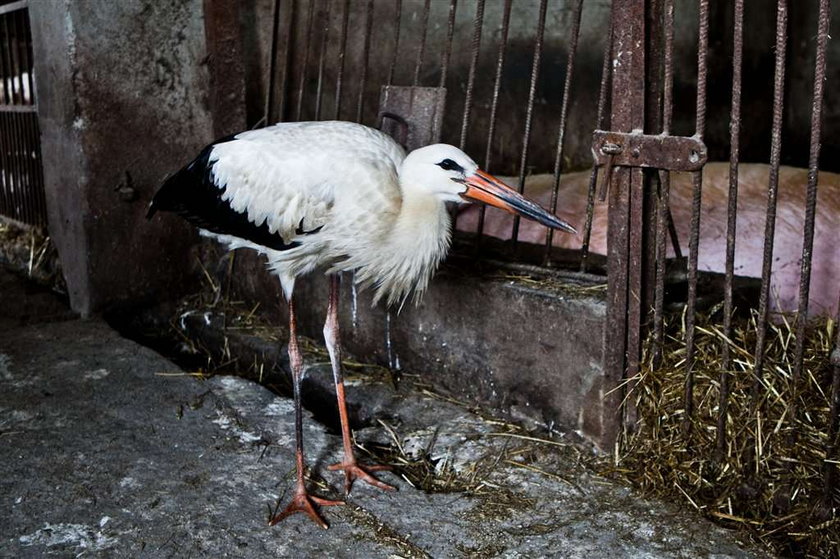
(494, 337)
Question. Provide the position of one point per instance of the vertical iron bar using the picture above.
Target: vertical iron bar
(272, 66)
(285, 95)
(29, 63)
(397, 16)
(664, 187)
(8, 86)
(731, 221)
(368, 31)
(447, 51)
(421, 49)
(39, 173)
(811, 199)
(5, 192)
(694, 237)
(8, 70)
(606, 78)
(319, 89)
(14, 164)
(628, 98)
(13, 57)
(529, 115)
(341, 53)
(25, 64)
(494, 105)
(310, 23)
(564, 112)
(772, 193)
(475, 48)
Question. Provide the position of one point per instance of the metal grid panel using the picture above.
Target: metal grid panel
(21, 175)
(331, 57)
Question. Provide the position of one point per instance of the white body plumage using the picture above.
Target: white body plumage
(338, 196)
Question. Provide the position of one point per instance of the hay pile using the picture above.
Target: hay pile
(770, 476)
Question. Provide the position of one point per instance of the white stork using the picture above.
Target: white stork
(336, 196)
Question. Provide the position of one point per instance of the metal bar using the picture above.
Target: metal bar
(16, 63)
(772, 193)
(272, 65)
(18, 108)
(6, 204)
(564, 112)
(5, 63)
(285, 83)
(368, 31)
(38, 173)
(319, 89)
(30, 209)
(606, 77)
(628, 95)
(397, 16)
(694, 236)
(421, 48)
(24, 39)
(13, 7)
(29, 61)
(11, 72)
(341, 53)
(475, 48)
(13, 145)
(494, 106)
(811, 198)
(664, 186)
(26, 175)
(307, 49)
(731, 221)
(447, 51)
(529, 115)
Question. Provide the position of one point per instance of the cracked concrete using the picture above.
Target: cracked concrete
(111, 450)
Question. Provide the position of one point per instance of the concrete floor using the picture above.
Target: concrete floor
(111, 450)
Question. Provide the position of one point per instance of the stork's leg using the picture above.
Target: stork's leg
(352, 470)
(301, 501)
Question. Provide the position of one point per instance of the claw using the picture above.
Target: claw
(352, 472)
(302, 502)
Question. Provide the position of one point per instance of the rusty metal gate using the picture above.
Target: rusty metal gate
(21, 174)
(363, 60)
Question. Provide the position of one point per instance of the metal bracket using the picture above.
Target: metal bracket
(672, 153)
(412, 115)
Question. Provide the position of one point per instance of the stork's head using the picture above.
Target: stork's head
(448, 173)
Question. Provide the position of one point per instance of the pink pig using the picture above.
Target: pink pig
(749, 243)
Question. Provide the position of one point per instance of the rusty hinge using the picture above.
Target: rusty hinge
(634, 149)
(673, 153)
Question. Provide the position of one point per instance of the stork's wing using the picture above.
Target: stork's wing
(272, 185)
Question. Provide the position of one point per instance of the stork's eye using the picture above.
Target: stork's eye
(449, 165)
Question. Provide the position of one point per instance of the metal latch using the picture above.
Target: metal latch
(634, 149)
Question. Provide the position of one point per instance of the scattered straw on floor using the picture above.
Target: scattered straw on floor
(769, 475)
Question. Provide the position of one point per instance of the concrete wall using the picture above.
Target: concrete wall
(122, 91)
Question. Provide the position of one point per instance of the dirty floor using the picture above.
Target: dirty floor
(109, 449)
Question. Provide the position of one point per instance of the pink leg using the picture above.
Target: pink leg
(352, 470)
(301, 501)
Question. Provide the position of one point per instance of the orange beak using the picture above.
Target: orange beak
(484, 187)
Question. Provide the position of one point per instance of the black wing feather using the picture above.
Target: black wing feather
(192, 194)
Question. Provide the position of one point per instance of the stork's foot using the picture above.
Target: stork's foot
(303, 502)
(352, 472)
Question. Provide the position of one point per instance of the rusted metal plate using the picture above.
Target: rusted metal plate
(674, 153)
(412, 115)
